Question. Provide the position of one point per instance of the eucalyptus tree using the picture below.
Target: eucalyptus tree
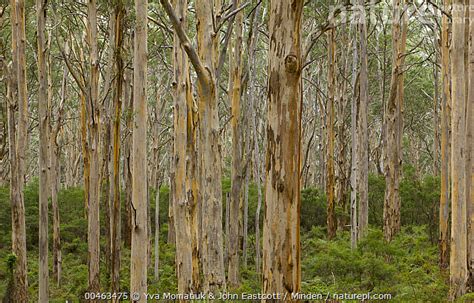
(281, 227)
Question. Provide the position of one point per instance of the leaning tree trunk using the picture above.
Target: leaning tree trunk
(44, 122)
(281, 227)
(139, 257)
(18, 142)
(458, 255)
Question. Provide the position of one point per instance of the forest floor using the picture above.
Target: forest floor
(328, 267)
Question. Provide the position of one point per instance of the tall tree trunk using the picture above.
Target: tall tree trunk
(331, 213)
(458, 255)
(181, 205)
(85, 151)
(227, 229)
(127, 159)
(354, 138)
(204, 62)
(104, 177)
(235, 71)
(444, 207)
(54, 179)
(94, 143)
(192, 186)
(281, 228)
(469, 174)
(44, 121)
(469, 171)
(106, 127)
(105, 137)
(363, 145)
(212, 254)
(18, 142)
(139, 257)
(392, 157)
(340, 136)
(157, 229)
(119, 13)
(256, 151)
(436, 114)
(244, 205)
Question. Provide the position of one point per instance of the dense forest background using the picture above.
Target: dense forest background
(248, 146)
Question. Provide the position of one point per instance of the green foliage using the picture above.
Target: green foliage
(419, 200)
(313, 206)
(10, 261)
(376, 196)
(406, 268)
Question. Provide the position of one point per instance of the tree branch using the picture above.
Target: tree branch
(71, 69)
(201, 71)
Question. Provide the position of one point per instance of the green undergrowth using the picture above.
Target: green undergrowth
(406, 268)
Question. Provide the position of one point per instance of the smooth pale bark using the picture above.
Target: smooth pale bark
(54, 154)
(139, 257)
(392, 156)
(43, 112)
(354, 139)
(116, 237)
(181, 205)
(235, 88)
(85, 146)
(256, 149)
(281, 227)
(444, 206)
(363, 145)
(330, 182)
(252, 129)
(436, 116)
(18, 143)
(85, 151)
(458, 255)
(93, 232)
